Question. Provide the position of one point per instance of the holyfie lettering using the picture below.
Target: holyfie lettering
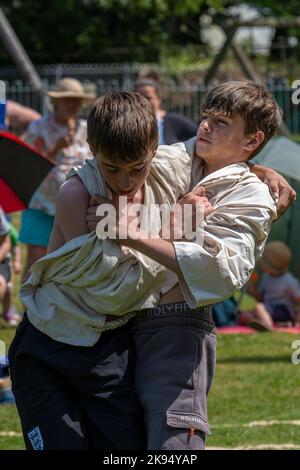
(190, 419)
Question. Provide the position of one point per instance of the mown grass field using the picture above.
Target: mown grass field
(255, 382)
(254, 401)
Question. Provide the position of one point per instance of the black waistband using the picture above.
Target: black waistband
(175, 314)
(179, 307)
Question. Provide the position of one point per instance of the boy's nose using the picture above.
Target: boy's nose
(205, 125)
(125, 183)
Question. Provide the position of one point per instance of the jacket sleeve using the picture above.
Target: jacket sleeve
(222, 256)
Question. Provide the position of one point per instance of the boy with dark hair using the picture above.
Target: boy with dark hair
(72, 360)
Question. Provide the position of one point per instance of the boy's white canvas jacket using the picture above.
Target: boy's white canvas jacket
(71, 290)
(232, 237)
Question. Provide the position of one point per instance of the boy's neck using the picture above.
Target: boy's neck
(208, 169)
(212, 163)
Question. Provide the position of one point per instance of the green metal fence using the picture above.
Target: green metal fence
(184, 98)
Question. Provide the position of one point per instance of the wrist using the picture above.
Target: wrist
(133, 241)
(259, 170)
(255, 168)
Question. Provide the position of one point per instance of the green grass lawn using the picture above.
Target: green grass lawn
(9, 420)
(255, 381)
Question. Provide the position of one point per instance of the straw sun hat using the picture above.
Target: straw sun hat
(70, 88)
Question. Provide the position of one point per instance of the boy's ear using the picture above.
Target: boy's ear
(90, 146)
(154, 151)
(254, 141)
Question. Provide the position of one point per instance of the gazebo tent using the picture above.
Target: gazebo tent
(283, 155)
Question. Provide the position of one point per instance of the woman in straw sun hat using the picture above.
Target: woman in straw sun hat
(70, 88)
(61, 136)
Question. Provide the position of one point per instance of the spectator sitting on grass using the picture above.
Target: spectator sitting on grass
(278, 291)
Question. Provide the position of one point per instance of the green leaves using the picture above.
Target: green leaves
(84, 30)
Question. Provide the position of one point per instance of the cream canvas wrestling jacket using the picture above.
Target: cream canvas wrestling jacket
(72, 290)
(232, 238)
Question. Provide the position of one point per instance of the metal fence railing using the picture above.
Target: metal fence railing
(184, 98)
(96, 71)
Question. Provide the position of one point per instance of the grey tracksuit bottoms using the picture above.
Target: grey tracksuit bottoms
(175, 354)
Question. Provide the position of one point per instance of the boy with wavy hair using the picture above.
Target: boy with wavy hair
(176, 342)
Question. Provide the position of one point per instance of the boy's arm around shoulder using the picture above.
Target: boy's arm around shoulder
(282, 192)
(70, 218)
(229, 241)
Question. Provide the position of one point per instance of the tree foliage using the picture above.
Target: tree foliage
(88, 30)
(116, 30)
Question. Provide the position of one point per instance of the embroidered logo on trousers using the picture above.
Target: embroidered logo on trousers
(36, 439)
